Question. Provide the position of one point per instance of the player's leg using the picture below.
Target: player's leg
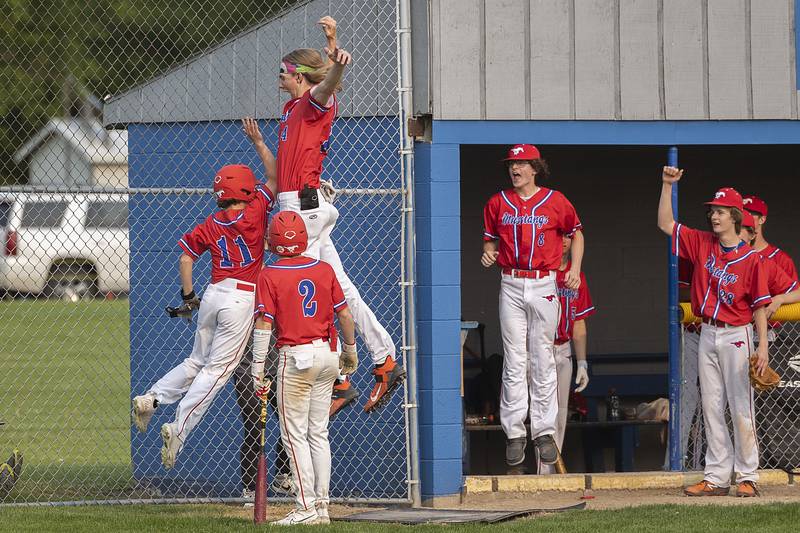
(543, 308)
(690, 394)
(294, 400)
(514, 389)
(564, 365)
(174, 384)
(282, 482)
(234, 324)
(735, 367)
(318, 416)
(719, 449)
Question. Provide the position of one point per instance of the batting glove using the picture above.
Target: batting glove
(191, 300)
(348, 360)
(581, 376)
(327, 190)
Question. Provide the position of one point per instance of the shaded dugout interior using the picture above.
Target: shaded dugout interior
(615, 190)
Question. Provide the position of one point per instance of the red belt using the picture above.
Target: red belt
(245, 287)
(715, 323)
(532, 274)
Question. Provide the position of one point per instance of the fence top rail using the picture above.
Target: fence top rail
(162, 190)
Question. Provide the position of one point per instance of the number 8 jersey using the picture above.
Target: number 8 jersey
(300, 296)
(235, 239)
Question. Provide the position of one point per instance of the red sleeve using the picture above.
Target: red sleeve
(569, 223)
(686, 242)
(759, 285)
(196, 241)
(264, 202)
(490, 220)
(265, 299)
(685, 271)
(311, 110)
(779, 281)
(337, 294)
(584, 308)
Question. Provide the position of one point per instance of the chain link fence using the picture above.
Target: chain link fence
(89, 222)
(777, 413)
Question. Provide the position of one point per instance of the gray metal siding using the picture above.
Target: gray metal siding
(612, 59)
(239, 77)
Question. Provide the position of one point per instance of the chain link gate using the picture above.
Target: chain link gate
(777, 413)
(89, 221)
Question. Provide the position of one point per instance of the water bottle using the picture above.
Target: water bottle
(612, 406)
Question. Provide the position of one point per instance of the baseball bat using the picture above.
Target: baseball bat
(560, 467)
(260, 503)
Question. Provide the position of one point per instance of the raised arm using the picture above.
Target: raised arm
(253, 132)
(340, 58)
(666, 220)
(329, 28)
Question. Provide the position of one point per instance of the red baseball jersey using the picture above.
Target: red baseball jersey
(576, 304)
(780, 258)
(777, 280)
(235, 239)
(529, 230)
(300, 296)
(726, 286)
(304, 136)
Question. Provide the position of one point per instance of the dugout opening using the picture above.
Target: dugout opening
(615, 192)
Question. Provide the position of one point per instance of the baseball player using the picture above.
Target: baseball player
(729, 291)
(235, 238)
(758, 208)
(784, 289)
(576, 307)
(300, 295)
(304, 140)
(523, 230)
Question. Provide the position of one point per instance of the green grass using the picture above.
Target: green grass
(761, 518)
(64, 389)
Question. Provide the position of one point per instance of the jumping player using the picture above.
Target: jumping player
(729, 291)
(235, 238)
(304, 138)
(523, 228)
(299, 295)
(576, 307)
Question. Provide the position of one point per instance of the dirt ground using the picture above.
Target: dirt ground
(603, 499)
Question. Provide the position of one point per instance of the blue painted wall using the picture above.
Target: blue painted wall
(369, 452)
(438, 228)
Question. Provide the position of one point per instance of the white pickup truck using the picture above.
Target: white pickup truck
(64, 245)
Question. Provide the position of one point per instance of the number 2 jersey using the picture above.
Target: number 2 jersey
(725, 286)
(235, 239)
(300, 296)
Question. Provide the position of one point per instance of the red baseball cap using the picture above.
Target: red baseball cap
(727, 197)
(755, 204)
(747, 220)
(522, 152)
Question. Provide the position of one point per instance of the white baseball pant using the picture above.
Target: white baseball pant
(529, 310)
(304, 400)
(564, 365)
(319, 225)
(224, 323)
(723, 363)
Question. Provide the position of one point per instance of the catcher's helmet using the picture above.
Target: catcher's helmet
(287, 234)
(235, 182)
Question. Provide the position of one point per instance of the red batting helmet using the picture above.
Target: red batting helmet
(287, 234)
(235, 182)
(522, 152)
(727, 197)
(755, 204)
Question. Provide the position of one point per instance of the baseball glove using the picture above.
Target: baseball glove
(190, 302)
(9, 473)
(766, 382)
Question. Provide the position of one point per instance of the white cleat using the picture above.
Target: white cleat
(298, 517)
(142, 411)
(322, 512)
(171, 445)
(282, 484)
